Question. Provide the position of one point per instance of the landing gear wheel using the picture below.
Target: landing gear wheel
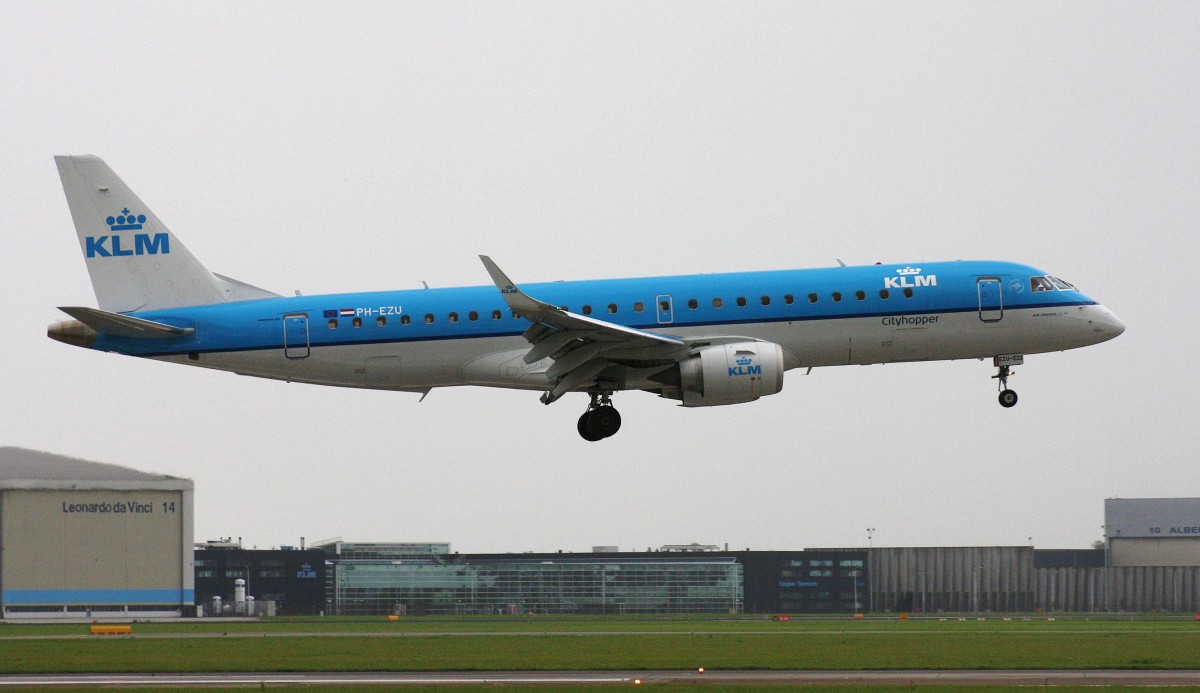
(585, 431)
(600, 420)
(603, 421)
(1008, 398)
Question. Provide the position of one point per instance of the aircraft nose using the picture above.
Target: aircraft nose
(1107, 323)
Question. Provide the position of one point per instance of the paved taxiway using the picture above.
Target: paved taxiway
(527, 678)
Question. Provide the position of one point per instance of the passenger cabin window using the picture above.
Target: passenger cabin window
(638, 307)
(837, 296)
(907, 293)
(612, 308)
(788, 299)
(380, 321)
(812, 298)
(333, 324)
(860, 295)
(453, 317)
(473, 316)
(883, 293)
(717, 303)
(587, 310)
(357, 322)
(766, 300)
(664, 306)
(429, 318)
(693, 303)
(741, 300)
(405, 319)
(496, 315)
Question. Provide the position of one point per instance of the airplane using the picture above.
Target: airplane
(702, 340)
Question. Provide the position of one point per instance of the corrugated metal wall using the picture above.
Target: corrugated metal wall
(1004, 579)
(972, 578)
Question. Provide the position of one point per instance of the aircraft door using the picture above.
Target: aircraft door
(664, 305)
(991, 301)
(295, 336)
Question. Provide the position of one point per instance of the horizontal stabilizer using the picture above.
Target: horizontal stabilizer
(117, 325)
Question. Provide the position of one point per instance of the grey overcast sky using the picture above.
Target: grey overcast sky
(332, 147)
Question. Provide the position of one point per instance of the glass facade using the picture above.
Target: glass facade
(514, 585)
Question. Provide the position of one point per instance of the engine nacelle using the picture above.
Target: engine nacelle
(730, 374)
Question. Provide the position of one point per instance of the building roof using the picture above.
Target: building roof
(33, 469)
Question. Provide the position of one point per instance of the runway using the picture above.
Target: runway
(530, 678)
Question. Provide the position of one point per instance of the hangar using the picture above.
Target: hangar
(83, 539)
(1152, 531)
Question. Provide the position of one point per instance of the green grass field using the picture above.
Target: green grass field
(548, 643)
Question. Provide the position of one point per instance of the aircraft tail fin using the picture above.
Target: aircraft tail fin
(134, 260)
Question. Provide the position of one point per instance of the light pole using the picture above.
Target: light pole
(870, 535)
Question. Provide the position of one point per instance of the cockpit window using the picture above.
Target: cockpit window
(1040, 284)
(1049, 283)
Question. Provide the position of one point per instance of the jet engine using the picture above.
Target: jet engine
(725, 374)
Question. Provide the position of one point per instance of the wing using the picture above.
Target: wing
(581, 347)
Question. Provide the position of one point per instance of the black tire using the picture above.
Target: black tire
(1008, 398)
(585, 431)
(603, 422)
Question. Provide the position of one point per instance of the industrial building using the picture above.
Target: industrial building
(85, 539)
(428, 579)
(81, 538)
(1151, 562)
(282, 582)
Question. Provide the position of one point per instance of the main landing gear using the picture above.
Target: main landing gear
(600, 420)
(1008, 398)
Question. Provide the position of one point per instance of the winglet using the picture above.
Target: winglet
(521, 303)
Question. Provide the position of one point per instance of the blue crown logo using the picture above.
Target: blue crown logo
(909, 270)
(126, 221)
(744, 361)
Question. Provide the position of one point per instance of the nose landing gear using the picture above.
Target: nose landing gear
(1008, 398)
(601, 419)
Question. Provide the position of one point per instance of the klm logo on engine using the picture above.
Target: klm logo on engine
(910, 277)
(744, 367)
(119, 246)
